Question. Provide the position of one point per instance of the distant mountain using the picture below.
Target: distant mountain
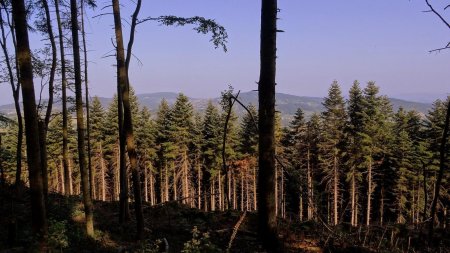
(285, 103)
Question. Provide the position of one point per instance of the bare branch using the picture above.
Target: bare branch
(437, 13)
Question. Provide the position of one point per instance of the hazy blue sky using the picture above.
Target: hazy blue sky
(384, 40)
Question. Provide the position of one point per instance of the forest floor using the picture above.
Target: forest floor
(173, 227)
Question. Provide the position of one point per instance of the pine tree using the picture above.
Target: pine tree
(211, 150)
(165, 150)
(375, 139)
(181, 122)
(402, 164)
(145, 146)
(334, 119)
(296, 154)
(353, 144)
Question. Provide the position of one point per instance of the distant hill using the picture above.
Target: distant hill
(287, 104)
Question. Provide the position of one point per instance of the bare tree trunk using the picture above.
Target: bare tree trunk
(301, 206)
(152, 189)
(213, 194)
(63, 189)
(283, 202)
(88, 123)
(229, 189)
(369, 192)
(88, 206)
(266, 125)
(69, 173)
(64, 101)
(442, 158)
(276, 190)
(166, 183)
(199, 177)
(353, 193)
(335, 192)
(246, 191)
(234, 192)
(254, 188)
(219, 179)
(103, 169)
(175, 181)
(310, 187)
(44, 125)
(38, 210)
(242, 191)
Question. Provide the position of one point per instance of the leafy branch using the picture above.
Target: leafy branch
(203, 25)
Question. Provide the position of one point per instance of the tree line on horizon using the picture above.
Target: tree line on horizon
(357, 162)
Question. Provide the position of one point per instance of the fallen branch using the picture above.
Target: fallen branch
(235, 230)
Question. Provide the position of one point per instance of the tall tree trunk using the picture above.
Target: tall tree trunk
(335, 191)
(61, 171)
(88, 123)
(442, 159)
(38, 211)
(353, 194)
(310, 187)
(369, 192)
(266, 125)
(44, 125)
(69, 173)
(199, 183)
(242, 191)
(88, 206)
(234, 192)
(64, 101)
(103, 172)
(276, 191)
(254, 189)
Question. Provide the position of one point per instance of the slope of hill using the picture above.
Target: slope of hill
(286, 104)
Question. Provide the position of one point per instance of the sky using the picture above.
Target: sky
(386, 41)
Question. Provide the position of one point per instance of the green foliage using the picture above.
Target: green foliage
(200, 243)
(148, 246)
(248, 133)
(57, 234)
(204, 26)
(212, 138)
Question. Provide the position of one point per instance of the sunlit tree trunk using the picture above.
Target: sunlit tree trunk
(335, 191)
(254, 189)
(88, 206)
(38, 211)
(369, 192)
(353, 194)
(65, 154)
(310, 187)
(266, 125)
(44, 125)
(88, 123)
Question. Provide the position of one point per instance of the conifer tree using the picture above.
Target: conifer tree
(334, 118)
(296, 154)
(145, 146)
(353, 144)
(402, 164)
(375, 140)
(211, 150)
(165, 148)
(181, 121)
